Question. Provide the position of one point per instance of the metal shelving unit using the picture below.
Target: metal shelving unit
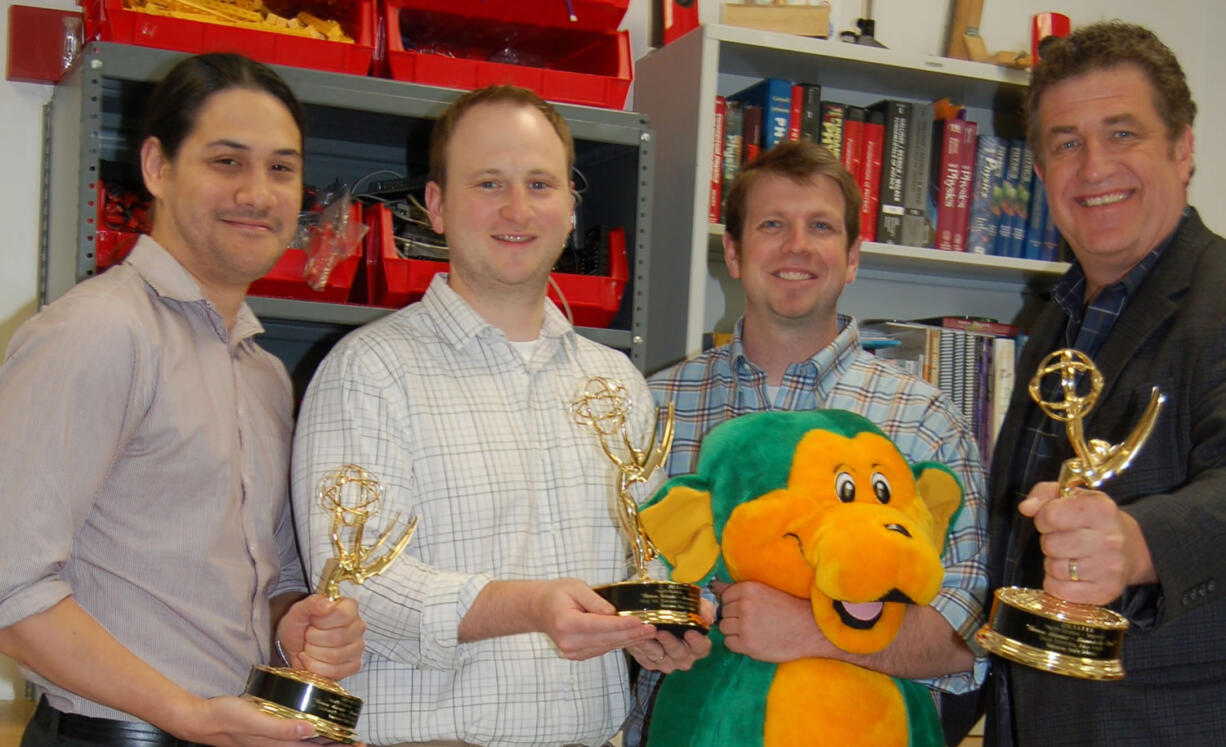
(676, 87)
(355, 126)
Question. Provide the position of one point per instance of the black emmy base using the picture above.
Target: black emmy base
(295, 693)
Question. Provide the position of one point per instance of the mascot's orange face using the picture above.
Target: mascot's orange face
(850, 532)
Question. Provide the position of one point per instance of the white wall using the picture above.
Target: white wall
(920, 26)
(912, 25)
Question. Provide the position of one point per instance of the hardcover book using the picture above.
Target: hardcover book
(966, 178)
(917, 226)
(811, 113)
(853, 141)
(715, 200)
(870, 174)
(986, 202)
(833, 114)
(897, 120)
(945, 173)
(774, 95)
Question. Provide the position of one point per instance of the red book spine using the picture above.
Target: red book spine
(853, 137)
(796, 113)
(983, 326)
(751, 143)
(870, 172)
(966, 179)
(717, 161)
(950, 172)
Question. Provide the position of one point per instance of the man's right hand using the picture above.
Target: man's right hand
(583, 624)
(580, 622)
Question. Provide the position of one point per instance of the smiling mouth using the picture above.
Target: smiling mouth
(516, 239)
(248, 225)
(1101, 200)
(794, 275)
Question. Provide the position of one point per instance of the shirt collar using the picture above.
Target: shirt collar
(832, 357)
(1070, 292)
(171, 280)
(460, 323)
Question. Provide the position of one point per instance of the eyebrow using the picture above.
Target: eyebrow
(236, 145)
(1116, 119)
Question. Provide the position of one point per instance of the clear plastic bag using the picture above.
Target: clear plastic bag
(330, 232)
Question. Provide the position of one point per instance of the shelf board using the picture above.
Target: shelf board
(887, 72)
(936, 262)
(352, 315)
(361, 93)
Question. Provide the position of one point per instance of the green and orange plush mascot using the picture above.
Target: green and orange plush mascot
(822, 505)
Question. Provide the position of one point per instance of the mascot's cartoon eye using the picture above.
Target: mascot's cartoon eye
(881, 487)
(845, 487)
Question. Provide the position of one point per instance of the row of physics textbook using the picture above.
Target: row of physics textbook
(971, 360)
(926, 175)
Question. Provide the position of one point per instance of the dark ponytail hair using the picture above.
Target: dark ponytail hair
(176, 102)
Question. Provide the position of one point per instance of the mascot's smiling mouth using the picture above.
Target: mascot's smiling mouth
(864, 615)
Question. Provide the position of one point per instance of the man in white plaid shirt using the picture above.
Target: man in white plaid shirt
(487, 631)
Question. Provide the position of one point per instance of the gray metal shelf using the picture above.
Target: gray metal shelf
(355, 125)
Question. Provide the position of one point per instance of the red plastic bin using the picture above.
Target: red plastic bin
(116, 231)
(109, 20)
(112, 247)
(393, 281)
(285, 279)
(469, 44)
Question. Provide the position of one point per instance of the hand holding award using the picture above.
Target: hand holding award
(351, 496)
(1033, 627)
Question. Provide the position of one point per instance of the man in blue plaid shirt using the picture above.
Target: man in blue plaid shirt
(792, 239)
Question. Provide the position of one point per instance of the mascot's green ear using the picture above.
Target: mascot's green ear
(942, 493)
(682, 527)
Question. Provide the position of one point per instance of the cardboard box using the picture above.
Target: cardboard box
(801, 20)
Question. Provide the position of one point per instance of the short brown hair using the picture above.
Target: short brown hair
(1111, 44)
(801, 161)
(444, 128)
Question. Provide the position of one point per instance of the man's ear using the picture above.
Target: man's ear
(853, 261)
(434, 206)
(153, 166)
(1184, 154)
(732, 257)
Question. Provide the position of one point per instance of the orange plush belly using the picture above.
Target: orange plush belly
(823, 701)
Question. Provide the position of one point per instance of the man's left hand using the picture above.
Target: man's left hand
(323, 636)
(667, 653)
(1092, 549)
(767, 624)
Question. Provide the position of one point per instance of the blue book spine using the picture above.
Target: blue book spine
(1021, 221)
(1038, 216)
(1051, 237)
(985, 205)
(1008, 205)
(774, 95)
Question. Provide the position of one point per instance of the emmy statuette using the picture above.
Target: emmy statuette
(603, 406)
(1030, 626)
(297, 693)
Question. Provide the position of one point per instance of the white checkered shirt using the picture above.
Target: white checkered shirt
(480, 445)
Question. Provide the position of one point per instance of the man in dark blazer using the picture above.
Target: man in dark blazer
(1110, 120)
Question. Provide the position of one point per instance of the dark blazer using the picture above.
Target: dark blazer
(1171, 334)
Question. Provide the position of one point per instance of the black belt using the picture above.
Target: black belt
(103, 731)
